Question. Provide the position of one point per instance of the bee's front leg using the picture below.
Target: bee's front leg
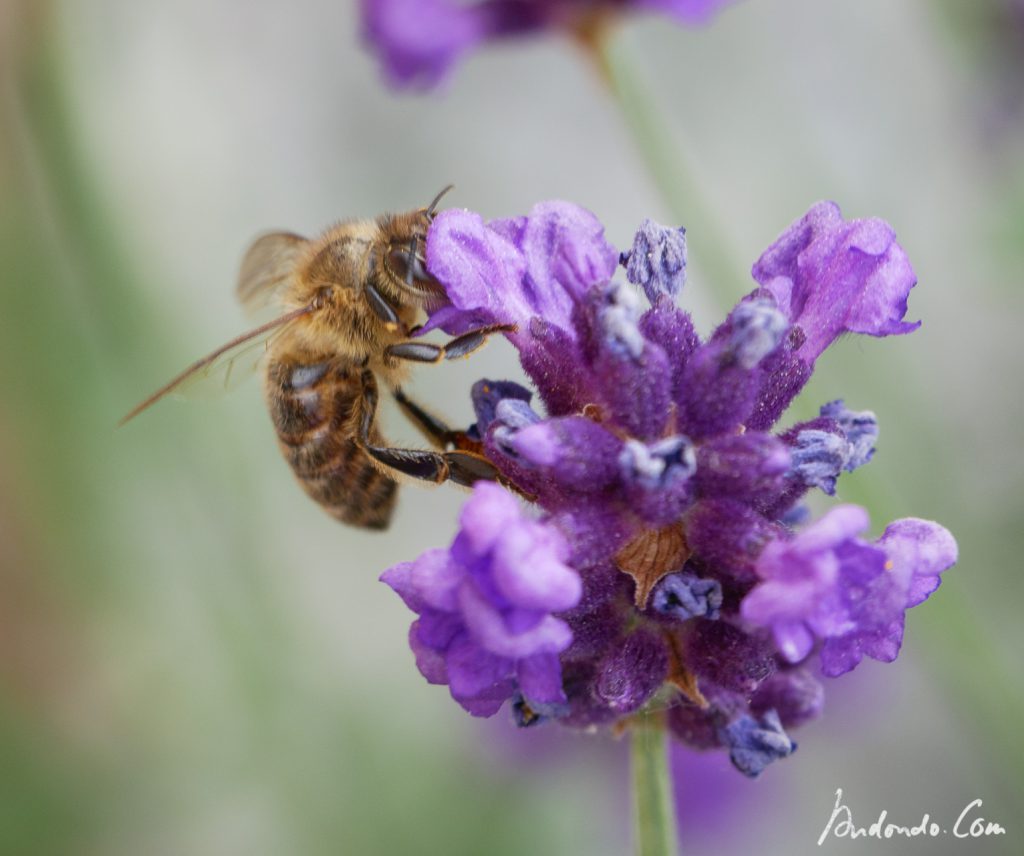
(460, 346)
(383, 309)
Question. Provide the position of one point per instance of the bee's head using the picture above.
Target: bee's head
(404, 261)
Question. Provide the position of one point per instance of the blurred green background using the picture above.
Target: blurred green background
(195, 660)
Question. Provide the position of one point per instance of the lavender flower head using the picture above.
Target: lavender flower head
(418, 41)
(665, 565)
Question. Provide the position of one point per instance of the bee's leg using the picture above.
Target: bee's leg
(461, 467)
(437, 432)
(460, 346)
(381, 307)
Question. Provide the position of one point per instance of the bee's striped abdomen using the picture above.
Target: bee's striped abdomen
(315, 409)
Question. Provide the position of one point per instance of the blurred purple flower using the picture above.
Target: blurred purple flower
(485, 606)
(418, 41)
(653, 457)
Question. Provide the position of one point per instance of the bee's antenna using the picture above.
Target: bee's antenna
(433, 205)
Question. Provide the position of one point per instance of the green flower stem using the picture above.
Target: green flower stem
(654, 816)
(667, 165)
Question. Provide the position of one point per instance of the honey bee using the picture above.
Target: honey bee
(348, 301)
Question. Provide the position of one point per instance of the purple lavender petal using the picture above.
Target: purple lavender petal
(480, 270)
(490, 631)
(399, 577)
(430, 661)
(436, 629)
(436, 579)
(476, 674)
(540, 679)
(485, 604)
(529, 569)
(921, 550)
(800, 576)
(566, 253)
(514, 271)
(917, 552)
(834, 276)
(491, 513)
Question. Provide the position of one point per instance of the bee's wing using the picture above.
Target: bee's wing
(266, 268)
(231, 362)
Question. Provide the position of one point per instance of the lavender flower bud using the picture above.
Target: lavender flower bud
(659, 465)
(725, 655)
(755, 743)
(618, 318)
(818, 458)
(512, 415)
(757, 329)
(684, 595)
(487, 395)
(795, 694)
(657, 260)
(574, 451)
(633, 672)
(749, 467)
(860, 428)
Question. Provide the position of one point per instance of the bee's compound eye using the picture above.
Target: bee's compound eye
(406, 264)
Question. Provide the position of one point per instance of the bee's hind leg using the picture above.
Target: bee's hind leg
(461, 467)
(436, 431)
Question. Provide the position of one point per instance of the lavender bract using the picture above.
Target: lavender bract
(668, 560)
(418, 41)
